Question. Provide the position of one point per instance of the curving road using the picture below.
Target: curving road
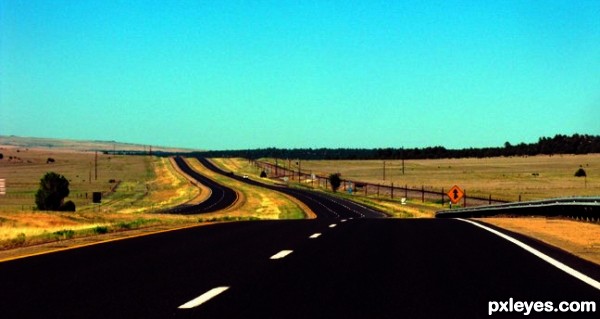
(325, 206)
(335, 266)
(221, 197)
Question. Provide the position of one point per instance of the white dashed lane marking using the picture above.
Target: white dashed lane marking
(281, 254)
(315, 235)
(203, 298)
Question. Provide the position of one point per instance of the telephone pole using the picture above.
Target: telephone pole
(96, 166)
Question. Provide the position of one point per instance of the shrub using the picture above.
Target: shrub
(53, 189)
(68, 207)
(100, 229)
(335, 181)
(580, 173)
(65, 234)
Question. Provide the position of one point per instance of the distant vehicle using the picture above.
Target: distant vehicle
(245, 176)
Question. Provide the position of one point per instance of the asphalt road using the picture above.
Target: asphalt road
(325, 206)
(353, 268)
(221, 197)
(345, 264)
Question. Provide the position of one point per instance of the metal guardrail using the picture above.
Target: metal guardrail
(580, 208)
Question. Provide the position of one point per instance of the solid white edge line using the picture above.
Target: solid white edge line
(588, 280)
(281, 254)
(315, 235)
(203, 298)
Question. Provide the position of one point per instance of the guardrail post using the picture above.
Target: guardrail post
(490, 199)
(392, 191)
(423, 193)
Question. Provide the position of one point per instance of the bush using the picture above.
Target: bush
(100, 229)
(52, 192)
(68, 207)
(65, 234)
(335, 181)
(580, 173)
(263, 174)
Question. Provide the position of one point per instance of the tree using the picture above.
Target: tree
(335, 181)
(52, 192)
(580, 173)
(1, 156)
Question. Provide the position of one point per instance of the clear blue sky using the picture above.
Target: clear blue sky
(247, 74)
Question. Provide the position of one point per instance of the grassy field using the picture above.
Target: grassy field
(134, 188)
(79, 145)
(534, 177)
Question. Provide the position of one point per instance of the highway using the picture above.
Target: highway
(221, 197)
(348, 263)
(325, 206)
(346, 268)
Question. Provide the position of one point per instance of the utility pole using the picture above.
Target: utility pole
(403, 160)
(96, 166)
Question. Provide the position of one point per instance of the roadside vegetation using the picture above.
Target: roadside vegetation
(134, 191)
(254, 202)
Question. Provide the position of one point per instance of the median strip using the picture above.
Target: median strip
(203, 298)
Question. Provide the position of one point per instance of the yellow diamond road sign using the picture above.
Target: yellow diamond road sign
(455, 194)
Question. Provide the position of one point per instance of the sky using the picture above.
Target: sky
(251, 74)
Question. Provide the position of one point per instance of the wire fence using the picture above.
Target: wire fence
(422, 193)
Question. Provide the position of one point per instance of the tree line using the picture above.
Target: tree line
(559, 144)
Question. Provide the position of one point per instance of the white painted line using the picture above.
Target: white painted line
(203, 298)
(315, 235)
(332, 225)
(590, 281)
(281, 254)
(344, 220)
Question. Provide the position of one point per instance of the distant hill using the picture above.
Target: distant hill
(83, 145)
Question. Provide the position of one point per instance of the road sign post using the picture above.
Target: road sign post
(455, 194)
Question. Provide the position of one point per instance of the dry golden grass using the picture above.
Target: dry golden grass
(534, 177)
(579, 238)
(147, 184)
